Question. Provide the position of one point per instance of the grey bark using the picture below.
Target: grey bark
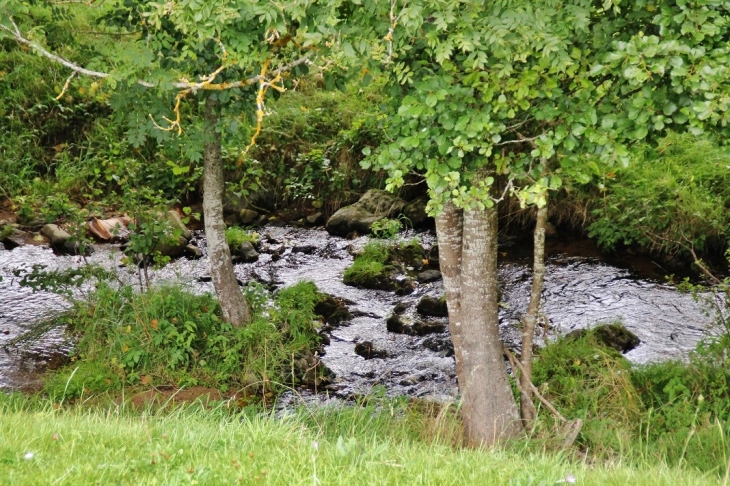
(468, 255)
(449, 225)
(233, 304)
(527, 408)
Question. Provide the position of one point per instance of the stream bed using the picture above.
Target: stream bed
(582, 288)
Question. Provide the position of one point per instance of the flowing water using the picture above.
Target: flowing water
(582, 288)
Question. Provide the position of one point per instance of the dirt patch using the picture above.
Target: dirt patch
(7, 215)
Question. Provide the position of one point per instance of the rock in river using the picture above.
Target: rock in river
(373, 206)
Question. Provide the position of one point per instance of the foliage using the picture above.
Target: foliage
(568, 87)
(6, 231)
(671, 410)
(310, 146)
(168, 336)
(236, 235)
(63, 282)
(386, 228)
(672, 197)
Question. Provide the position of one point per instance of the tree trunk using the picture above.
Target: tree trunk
(233, 303)
(449, 227)
(468, 254)
(527, 408)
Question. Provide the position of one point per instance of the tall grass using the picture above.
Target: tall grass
(168, 336)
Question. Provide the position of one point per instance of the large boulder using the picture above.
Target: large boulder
(14, 238)
(176, 248)
(177, 223)
(415, 211)
(373, 206)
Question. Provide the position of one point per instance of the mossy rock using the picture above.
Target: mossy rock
(367, 350)
(375, 277)
(430, 306)
(332, 310)
(410, 253)
(614, 336)
(376, 268)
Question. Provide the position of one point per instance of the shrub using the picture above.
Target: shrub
(586, 379)
(676, 411)
(386, 228)
(169, 336)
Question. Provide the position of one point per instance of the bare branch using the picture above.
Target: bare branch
(65, 86)
(517, 365)
(507, 188)
(15, 32)
(506, 142)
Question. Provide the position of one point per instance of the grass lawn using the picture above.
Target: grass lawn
(40, 445)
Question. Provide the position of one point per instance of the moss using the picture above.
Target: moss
(236, 235)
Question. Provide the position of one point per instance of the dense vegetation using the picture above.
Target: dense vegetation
(68, 159)
(169, 336)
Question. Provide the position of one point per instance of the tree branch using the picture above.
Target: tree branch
(204, 84)
(15, 32)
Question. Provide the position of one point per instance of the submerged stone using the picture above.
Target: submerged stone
(396, 324)
(439, 344)
(400, 308)
(422, 328)
(399, 324)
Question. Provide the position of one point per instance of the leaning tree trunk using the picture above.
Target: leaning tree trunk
(233, 303)
(468, 255)
(527, 408)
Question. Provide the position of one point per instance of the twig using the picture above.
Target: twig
(391, 30)
(65, 86)
(516, 364)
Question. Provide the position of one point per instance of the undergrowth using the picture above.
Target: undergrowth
(169, 336)
(669, 199)
(676, 412)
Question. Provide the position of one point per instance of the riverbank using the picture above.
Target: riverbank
(80, 446)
